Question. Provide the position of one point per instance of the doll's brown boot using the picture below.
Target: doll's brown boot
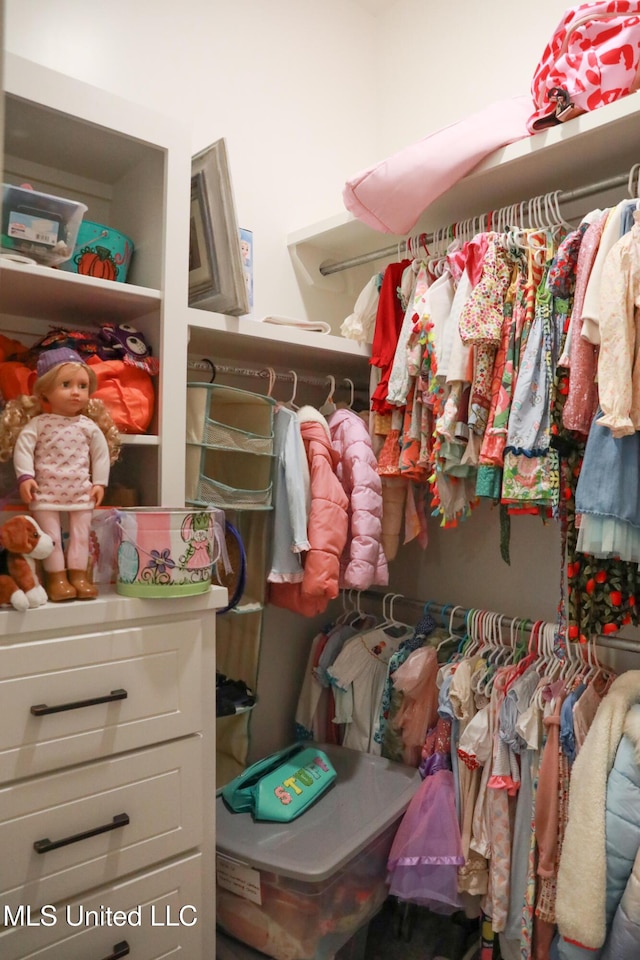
(58, 587)
(84, 587)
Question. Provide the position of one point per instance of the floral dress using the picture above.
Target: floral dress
(492, 451)
(480, 324)
(531, 472)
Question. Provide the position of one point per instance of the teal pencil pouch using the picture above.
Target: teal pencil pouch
(282, 786)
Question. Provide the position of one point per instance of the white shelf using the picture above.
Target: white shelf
(586, 145)
(139, 440)
(30, 290)
(582, 151)
(63, 142)
(108, 607)
(341, 236)
(131, 167)
(237, 339)
(588, 149)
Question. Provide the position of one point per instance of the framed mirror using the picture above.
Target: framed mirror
(216, 270)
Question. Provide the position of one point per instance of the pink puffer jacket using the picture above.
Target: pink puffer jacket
(327, 525)
(363, 562)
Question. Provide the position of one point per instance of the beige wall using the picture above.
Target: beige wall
(307, 94)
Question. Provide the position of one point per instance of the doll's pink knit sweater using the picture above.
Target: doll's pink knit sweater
(66, 455)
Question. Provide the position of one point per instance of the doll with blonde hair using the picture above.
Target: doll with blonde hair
(62, 443)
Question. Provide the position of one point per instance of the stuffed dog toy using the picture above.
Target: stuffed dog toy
(22, 542)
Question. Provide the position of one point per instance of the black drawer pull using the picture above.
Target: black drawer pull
(41, 708)
(120, 950)
(43, 846)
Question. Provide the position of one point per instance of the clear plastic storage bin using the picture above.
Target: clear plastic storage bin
(299, 891)
(38, 225)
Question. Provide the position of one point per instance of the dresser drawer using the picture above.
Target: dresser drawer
(160, 898)
(97, 822)
(154, 668)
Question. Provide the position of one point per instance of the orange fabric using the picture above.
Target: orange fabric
(15, 379)
(389, 457)
(126, 391)
(9, 348)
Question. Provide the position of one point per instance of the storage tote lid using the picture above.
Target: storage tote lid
(368, 795)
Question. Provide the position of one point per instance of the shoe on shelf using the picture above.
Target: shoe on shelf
(232, 695)
(85, 588)
(58, 587)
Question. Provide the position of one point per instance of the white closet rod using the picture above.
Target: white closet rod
(444, 611)
(208, 366)
(566, 196)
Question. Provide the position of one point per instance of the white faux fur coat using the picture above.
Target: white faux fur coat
(582, 891)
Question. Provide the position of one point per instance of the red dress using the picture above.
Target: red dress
(387, 330)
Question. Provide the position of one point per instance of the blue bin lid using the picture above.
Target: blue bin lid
(369, 794)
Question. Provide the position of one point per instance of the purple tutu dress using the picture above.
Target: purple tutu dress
(427, 849)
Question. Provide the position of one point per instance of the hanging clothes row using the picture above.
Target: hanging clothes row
(502, 372)
(327, 508)
(499, 722)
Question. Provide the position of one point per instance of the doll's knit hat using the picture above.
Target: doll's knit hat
(53, 358)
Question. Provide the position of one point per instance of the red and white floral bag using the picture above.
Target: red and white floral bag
(592, 59)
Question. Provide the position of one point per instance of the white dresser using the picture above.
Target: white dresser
(107, 779)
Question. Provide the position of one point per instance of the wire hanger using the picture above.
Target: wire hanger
(352, 390)
(633, 183)
(444, 613)
(573, 665)
(361, 614)
(272, 380)
(594, 668)
(498, 653)
(388, 619)
(394, 627)
(561, 222)
(329, 407)
(506, 650)
(396, 596)
(469, 643)
(341, 618)
(385, 616)
(556, 663)
(435, 261)
(291, 403)
(356, 614)
(451, 636)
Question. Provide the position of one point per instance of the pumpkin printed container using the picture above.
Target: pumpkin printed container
(100, 252)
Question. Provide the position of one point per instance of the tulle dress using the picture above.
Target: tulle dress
(610, 512)
(427, 850)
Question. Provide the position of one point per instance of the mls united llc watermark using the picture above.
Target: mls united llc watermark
(76, 915)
